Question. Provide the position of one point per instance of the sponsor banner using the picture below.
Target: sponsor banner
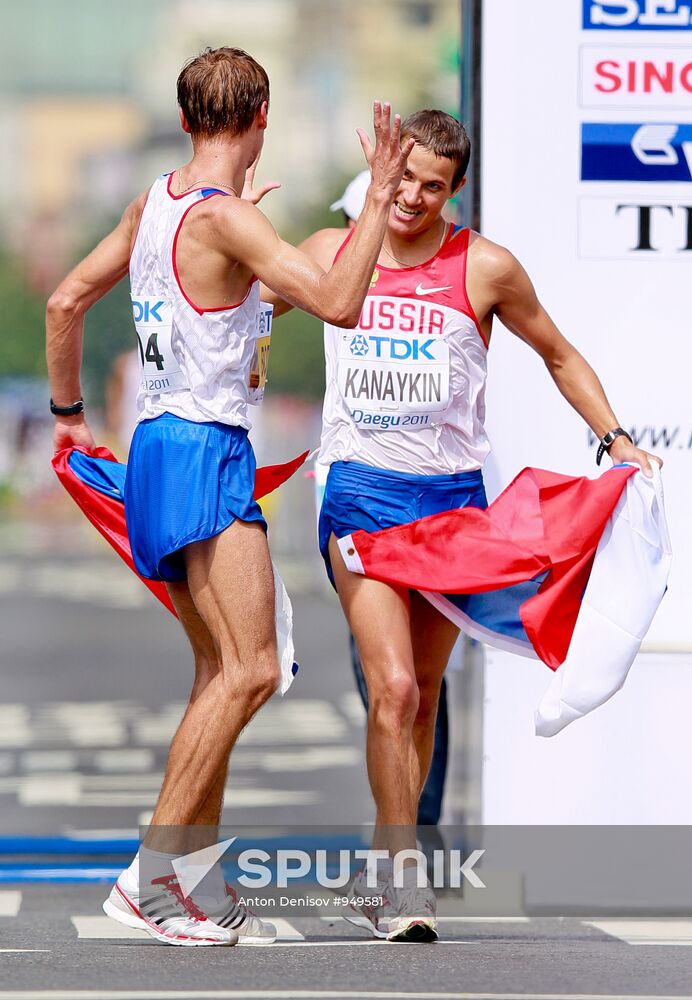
(651, 76)
(648, 152)
(602, 258)
(637, 15)
(629, 229)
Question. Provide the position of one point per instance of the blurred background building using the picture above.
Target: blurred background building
(89, 117)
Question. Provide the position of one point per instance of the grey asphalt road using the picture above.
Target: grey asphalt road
(94, 676)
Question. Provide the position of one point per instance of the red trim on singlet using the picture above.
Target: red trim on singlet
(199, 309)
(338, 252)
(177, 197)
(464, 235)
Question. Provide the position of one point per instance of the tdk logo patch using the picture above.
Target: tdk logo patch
(359, 346)
(147, 311)
(637, 15)
(636, 152)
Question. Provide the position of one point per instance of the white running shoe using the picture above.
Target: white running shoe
(162, 910)
(369, 908)
(235, 916)
(416, 910)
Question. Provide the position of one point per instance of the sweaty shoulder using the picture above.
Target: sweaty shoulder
(490, 262)
(233, 226)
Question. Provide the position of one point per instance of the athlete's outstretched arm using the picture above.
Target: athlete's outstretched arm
(88, 282)
(518, 307)
(321, 247)
(335, 295)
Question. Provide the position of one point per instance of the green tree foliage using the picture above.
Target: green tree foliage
(108, 331)
(22, 326)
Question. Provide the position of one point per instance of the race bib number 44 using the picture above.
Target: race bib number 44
(154, 324)
(394, 382)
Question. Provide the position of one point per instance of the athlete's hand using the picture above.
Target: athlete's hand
(248, 193)
(71, 431)
(622, 450)
(387, 158)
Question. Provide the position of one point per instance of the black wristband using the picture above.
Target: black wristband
(607, 441)
(67, 411)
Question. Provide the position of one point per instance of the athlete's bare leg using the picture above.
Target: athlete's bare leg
(207, 666)
(432, 639)
(380, 621)
(237, 608)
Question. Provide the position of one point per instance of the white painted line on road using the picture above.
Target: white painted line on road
(24, 951)
(48, 760)
(647, 932)
(310, 759)
(105, 929)
(308, 995)
(10, 901)
(366, 943)
(460, 920)
(286, 930)
(133, 759)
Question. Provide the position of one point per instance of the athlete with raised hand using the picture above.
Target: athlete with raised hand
(193, 249)
(403, 435)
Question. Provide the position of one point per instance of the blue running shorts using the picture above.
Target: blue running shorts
(362, 496)
(185, 482)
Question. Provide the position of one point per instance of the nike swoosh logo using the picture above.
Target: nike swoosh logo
(431, 291)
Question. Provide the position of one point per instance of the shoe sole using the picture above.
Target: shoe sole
(417, 932)
(140, 923)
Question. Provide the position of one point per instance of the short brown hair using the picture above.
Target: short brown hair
(222, 90)
(443, 136)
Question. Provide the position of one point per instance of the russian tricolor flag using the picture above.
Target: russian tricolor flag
(96, 481)
(568, 570)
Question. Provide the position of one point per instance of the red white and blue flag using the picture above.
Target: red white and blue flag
(96, 482)
(568, 570)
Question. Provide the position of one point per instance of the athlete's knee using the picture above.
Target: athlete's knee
(394, 700)
(252, 684)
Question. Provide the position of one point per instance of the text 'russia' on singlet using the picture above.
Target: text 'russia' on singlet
(195, 363)
(405, 388)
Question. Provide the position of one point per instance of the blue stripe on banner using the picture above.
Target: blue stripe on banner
(100, 474)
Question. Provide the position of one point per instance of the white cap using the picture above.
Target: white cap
(353, 198)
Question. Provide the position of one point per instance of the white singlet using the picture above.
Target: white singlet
(195, 362)
(405, 388)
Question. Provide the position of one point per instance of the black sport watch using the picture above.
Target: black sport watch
(607, 440)
(67, 411)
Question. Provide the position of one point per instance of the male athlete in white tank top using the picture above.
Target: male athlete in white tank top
(196, 305)
(403, 432)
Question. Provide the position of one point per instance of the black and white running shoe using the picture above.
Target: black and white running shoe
(161, 909)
